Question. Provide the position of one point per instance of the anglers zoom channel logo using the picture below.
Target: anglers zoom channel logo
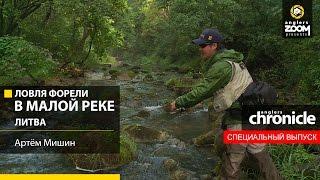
(297, 18)
(297, 11)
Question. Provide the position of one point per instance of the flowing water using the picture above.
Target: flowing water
(136, 96)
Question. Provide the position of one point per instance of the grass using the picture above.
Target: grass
(295, 162)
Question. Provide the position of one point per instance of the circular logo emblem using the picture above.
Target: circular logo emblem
(297, 11)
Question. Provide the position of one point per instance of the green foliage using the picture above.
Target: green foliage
(165, 28)
(13, 12)
(128, 149)
(93, 162)
(20, 59)
(295, 162)
(76, 31)
(308, 63)
(173, 82)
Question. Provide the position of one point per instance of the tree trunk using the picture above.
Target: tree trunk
(48, 14)
(2, 2)
(25, 11)
(77, 48)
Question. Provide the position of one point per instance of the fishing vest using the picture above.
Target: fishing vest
(240, 80)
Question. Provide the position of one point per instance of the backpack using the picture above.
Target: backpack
(259, 93)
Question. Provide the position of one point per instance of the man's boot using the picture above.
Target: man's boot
(231, 161)
(266, 166)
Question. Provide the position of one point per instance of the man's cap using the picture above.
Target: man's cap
(208, 36)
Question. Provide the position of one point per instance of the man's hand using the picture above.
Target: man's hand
(170, 107)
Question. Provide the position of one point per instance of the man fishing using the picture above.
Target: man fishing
(226, 79)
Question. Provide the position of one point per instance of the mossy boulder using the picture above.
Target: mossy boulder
(143, 114)
(114, 72)
(148, 77)
(105, 162)
(145, 135)
(135, 69)
(170, 164)
(181, 174)
(172, 82)
(128, 149)
(124, 77)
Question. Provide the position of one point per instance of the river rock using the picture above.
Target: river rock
(148, 77)
(145, 135)
(174, 142)
(206, 177)
(175, 153)
(181, 175)
(130, 89)
(124, 77)
(108, 77)
(113, 72)
(94, 75)
(136, 69)
(137, 118)
(165, 151)
(205, 139)
(104, 162)
(135, 102)
(170, 164)
(95, 162)
(143, 114)
(137, 78)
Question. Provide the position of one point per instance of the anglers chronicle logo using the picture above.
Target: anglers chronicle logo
(297, 11)
(297, 18)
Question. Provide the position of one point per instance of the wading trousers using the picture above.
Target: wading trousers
(232, 156)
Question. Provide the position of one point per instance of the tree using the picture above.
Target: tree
(13, 12)
(76, 30)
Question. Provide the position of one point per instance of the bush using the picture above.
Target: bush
(294, 162)
(20, 59)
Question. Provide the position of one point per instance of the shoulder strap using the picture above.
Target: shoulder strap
(233, 68)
